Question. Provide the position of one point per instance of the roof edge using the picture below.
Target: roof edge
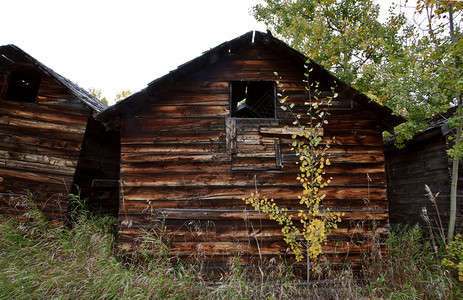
(386, 115)
(80, 93)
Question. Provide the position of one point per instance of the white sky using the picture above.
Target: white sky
(116, 45)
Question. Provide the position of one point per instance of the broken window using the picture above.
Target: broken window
(23, 85)
(253, 99)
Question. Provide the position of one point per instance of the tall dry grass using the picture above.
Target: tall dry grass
(39, 261)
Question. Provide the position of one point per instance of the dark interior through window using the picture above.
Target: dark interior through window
(23, 85)
(253, 99)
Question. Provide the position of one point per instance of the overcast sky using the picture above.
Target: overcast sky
(117, 45)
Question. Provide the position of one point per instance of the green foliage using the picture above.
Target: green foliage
(454, 256)
(430, 67)
(424, 78)
(417, 270)
(344, 36)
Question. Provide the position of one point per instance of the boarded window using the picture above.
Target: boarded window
(249, 149)
(253, 99)
(23, 85)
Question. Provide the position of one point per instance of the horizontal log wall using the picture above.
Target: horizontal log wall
(179, 175)
(40, 145)
(408, 171)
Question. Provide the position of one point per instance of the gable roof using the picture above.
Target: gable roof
(110, 115)
(11, 55)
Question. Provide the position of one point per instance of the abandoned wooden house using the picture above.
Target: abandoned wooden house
(191, 149)
(423, 161)
(50, 144)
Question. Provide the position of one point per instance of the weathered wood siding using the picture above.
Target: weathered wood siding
(409, 169)
(177, 169)
(49, 140)
(97, 171)
(40, 145)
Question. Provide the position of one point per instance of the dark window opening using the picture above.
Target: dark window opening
(23, 85)
(253, 99)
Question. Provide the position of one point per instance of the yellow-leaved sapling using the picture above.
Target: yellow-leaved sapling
(305, 230)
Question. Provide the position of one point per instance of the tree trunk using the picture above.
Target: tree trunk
(308, 267)
(453, 195)
(454, 184)
(456, 160)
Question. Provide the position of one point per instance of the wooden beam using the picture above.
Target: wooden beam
(284, 130)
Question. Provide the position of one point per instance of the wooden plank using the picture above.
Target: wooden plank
(57, 118)
(262, 162)
(341, 149)
(41, 124)
(341, 158)
(226, 230)
(243, 179)
(153, 125)
(206, 214)
(181, 157)
(193, 100)
(175, 167)
(284, 130)
(131, 206)
(36, 141)
(343, 139)
(69, 112)
(235, 74)
(179, 137)
(40, 159)
(265, 248)
(17, 149)
(206, 110)
(17, 183)
(286, 191)
(31, 166)
(230, 135)
(33, 132)
(254, 63)
(184, 88)
(179, 167)
(50, 177)
(192, 148)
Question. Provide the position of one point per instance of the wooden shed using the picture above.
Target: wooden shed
(49, 140)
(191, 149)
(423, 161)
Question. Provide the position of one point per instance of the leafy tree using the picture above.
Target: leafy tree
(413, 68)
(425, 78)
(344, 36)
